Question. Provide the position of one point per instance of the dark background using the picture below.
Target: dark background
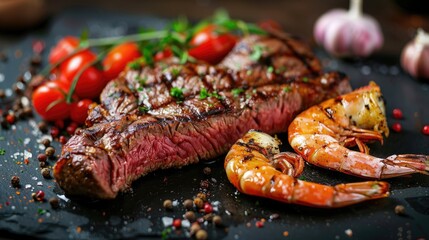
(138, 214)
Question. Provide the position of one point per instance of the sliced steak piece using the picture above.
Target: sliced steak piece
(171, 115)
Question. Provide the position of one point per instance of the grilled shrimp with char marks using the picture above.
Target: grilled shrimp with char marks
(255, 166)
(322, 133)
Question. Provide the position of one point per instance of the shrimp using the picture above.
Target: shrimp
(322, 133)
(255, 166)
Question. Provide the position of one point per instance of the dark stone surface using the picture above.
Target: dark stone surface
(138, 213)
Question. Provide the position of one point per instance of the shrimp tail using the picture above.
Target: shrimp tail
(397, 165)
(351, 193)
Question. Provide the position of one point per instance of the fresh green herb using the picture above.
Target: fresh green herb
(177, 93)
(175, 71)
(20, 140)
(305, 79)
(302, 178)
(2, 151)
(143, 109)
(270, 69)
(135, 65)
(140, 80)
(249, 72)
(287, 89)
(41, 211)
(204, 93)
(237, 91)
(140, 89)
(256, 53)
(216, 95)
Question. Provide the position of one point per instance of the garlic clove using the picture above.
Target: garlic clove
(415, 56)
(348, 33)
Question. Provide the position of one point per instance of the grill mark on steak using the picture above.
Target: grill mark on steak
(121, 143)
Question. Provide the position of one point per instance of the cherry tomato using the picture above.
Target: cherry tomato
(91, 82)
(118, 58)
(166, 53)
(206, 33)
(63, 48)
(209, 46)
(49, 100)
(79, 111)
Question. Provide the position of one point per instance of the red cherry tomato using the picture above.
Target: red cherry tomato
(49, 100)
(79, 111)
(166, 53)
(63, 48)
(203, 35)
(118, 58)
(211, 47)
(91, 82)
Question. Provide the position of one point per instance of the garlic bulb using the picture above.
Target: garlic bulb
(348, 33)
(415, 55)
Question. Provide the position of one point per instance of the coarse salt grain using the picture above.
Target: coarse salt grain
(349, 232)
(167, 221)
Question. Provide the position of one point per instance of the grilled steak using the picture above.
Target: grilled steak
(171, 114)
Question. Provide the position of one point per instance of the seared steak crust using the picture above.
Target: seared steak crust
(171, 114)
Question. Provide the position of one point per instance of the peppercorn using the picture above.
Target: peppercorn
(425, 130)
(42, 157)
(397, 127)
(10, 118)
(55, 202)
(50, 151)
(2, 94)
(194, 228)
(203, 196)
(46, 142)
(397, 113)
(400, 210)
(259, 224)
(15, 181)
(201, 234)
(18, 88)
(208, 208)
(43, 164)
(39, 195)
(63, 140)
(199, 203)
(217, 220)
(188, 204)
(208, 217)
(207, 171)
(177, 223)
(168, 204)
(55, 132)
(43, 126)
(46, 173)
(190, 215)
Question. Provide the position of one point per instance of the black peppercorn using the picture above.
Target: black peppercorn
(46, 173)
(43, 126)
(15, 181)
(50, 151)
(46, 142)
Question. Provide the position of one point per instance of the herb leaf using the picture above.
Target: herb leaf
(204, 93)
(177, 93)
(256, 53)
(2, 151)
(237, 91)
